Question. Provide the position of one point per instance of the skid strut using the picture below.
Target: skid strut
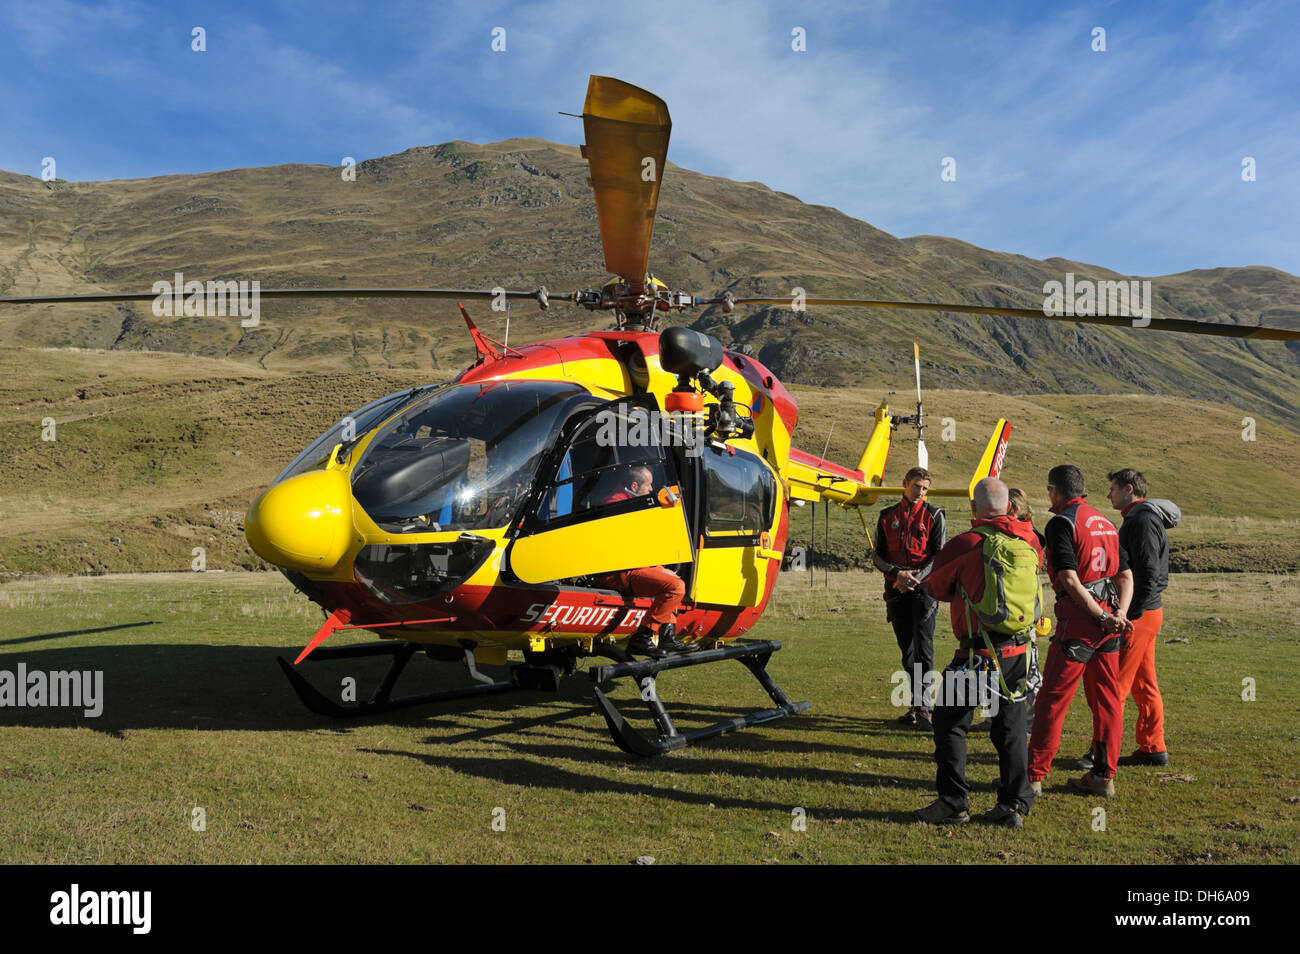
(753, 654)
(382, 699)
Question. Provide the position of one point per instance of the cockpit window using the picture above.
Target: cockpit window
(740, 493)
(608, 462)
(352, 426)
(463, 458)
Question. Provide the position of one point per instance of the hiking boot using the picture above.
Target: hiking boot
(1089, 784)
(1085, 761)
(642, 643)
(923, 720)
(908, 717)
(1005, 816)
(1145, 758)
(669, 643)
(940, 812)
(1037, 787)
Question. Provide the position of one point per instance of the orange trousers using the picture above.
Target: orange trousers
(1137, 674)
(663, 586)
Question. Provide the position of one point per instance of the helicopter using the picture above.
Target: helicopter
(475, 518)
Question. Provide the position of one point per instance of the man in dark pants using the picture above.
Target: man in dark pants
(959, 577)
(908, 535)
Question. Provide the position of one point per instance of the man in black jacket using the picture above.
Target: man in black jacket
(908, 535)
(1142, 536)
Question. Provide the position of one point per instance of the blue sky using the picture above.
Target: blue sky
(1129, 158)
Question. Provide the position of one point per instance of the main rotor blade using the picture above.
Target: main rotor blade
(1185, 325)
(446, 294)
(627, 145)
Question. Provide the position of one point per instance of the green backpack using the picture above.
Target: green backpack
(1012, 600)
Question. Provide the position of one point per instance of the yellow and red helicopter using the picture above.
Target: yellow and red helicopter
(470, 519)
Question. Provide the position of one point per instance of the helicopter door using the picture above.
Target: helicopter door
(611, 502)
(738, 516)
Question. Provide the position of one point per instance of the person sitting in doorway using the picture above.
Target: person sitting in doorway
(657, 634)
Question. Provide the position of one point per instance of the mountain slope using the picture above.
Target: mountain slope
(519, 213)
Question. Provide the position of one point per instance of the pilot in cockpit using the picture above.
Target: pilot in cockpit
(657, 635)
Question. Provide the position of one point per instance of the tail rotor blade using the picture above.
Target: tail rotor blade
(916, 354)
(922, 455)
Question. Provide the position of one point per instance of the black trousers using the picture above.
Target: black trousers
(1008, 732)
(912, 615)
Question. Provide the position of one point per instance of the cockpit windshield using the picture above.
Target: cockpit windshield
(347, 430)
(464, 457)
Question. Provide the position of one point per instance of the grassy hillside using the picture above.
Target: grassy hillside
(519, 214)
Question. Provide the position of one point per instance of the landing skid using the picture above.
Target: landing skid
(754, 655)
(382, 699)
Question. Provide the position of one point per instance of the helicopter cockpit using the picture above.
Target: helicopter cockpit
(464, 457)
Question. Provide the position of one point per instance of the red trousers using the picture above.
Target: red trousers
(663, 586)
(1137, 674)
(1060, 679)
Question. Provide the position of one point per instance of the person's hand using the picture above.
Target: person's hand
(1116, 625)
(906, 581)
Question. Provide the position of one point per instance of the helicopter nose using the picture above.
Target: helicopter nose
(303, 523)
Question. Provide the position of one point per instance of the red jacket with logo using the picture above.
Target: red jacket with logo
(961, 561)
(1082, 539)
(908, 535)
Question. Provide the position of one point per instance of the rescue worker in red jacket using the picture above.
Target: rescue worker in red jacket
(1089, 573)
(657, 636)
(908, 535)
(958, 572)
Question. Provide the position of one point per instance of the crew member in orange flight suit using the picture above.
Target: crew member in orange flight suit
(1089, 573)
(657, 635)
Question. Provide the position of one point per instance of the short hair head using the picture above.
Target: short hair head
(1068, 480)
(989, 497)
(916, 473)
(1018, 504)
(1132, 478)
(640, 473)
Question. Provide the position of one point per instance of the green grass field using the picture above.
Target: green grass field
(197, 715)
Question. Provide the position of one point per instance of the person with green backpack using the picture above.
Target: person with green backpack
(990, 577)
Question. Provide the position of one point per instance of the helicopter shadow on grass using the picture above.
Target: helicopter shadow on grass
(226, 687)
(541, 743)
(535, 766)
(233, 687)
(240, 688)
(44, 637)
